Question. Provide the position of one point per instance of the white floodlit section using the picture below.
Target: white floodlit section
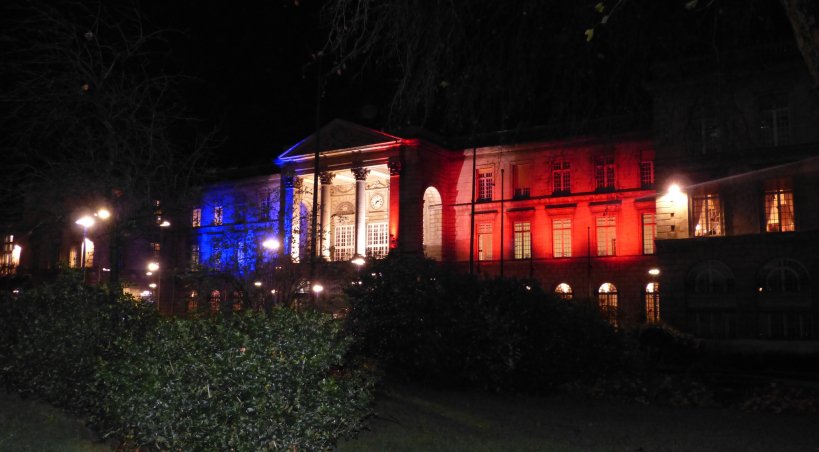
(672, 213)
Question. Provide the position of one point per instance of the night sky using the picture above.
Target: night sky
(255, 74)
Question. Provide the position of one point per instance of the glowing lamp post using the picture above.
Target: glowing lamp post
(271, 244)
(86, 222)
(358, 260)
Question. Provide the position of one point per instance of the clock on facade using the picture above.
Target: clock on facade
(377, 201)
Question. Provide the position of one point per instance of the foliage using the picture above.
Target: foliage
(474, 66)
(93, 112)
(52, 338)
(251, 381)
(436, 326)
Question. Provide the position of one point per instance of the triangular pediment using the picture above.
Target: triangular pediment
(337, 135)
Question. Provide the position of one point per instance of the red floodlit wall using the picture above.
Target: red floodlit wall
(523, 191)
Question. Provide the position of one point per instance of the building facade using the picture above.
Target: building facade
(737, 221)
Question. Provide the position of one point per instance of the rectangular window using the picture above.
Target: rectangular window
(707, 216)
(378, 240)
(523, 240)
(521, 180)
(216, 256)
(562, 237)
(241, 254)
(485, 242)
(74, 257)
(217, 216)
(195, 256)
(485, 184)
(561, 178)
(606, 236)
(10, 257)
(344, 243)
(265, 204)
(779, 211)
(89, 253)
(604, 173)
(649, 232)
(774, 120)
(704, 131)
(647, 174)
(196, 217)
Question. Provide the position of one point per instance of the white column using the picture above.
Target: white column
(324, 246)
(360, 210)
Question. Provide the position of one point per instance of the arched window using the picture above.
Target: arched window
(652, 302)
(193, 301)
(215, 301)
(710, 277)
(432, 224)
(563, 291)
(607, 299)
(785, 276)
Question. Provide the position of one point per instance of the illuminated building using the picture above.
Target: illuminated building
(575, 214)
(738, 237)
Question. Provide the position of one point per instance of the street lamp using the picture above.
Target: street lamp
(86, 222)
(358, 260)
(271, 244)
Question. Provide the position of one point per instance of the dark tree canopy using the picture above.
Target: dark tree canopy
(89, 109)
(475, 65)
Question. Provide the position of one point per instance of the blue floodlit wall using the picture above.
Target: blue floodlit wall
(249, 216)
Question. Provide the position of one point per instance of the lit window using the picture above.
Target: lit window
(196, 217)
(607, 300)
(215, 301)
(485, 242)
(707, 216)
(89, 253)
(774, 120)
(10, 257)
(562, 237)
(649, 232)
(155, 247)
(344, 242)
(521, 180)
(647, 174)
(561, 178)
(653, 302)
(378, 240)
(523, 240)
(193, 302)
(217, 216)
(606, 236)
(485, 184)
(779, 211)
(74, 257)
(563, 291)
(604, 173)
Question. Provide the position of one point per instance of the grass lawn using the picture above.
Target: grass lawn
(27, 425)
(419, 419)
(422, 419)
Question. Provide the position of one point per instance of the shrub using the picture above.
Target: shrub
(251, 381)
(423, 322)
(52, 337)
